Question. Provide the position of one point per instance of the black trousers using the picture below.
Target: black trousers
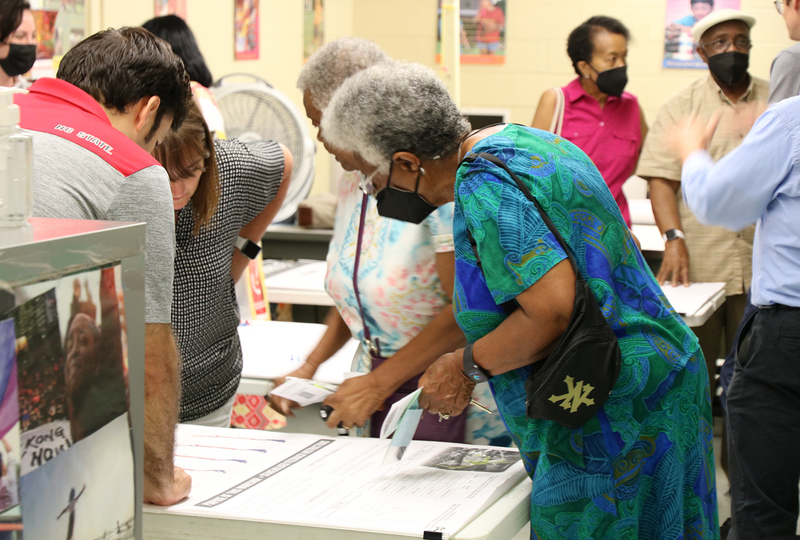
(764, 427)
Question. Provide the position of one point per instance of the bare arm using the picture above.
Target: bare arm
(358, 398)
(336, 335)
(675, 263)
(545, 110)
(164, 484)
(526, 336)
(255, 229)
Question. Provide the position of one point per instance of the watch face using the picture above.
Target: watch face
(251, 250)
(476, 376)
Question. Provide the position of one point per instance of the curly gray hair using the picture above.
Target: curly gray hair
(394, 107)
(332, 64)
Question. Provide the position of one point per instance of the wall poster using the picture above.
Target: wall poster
(482, 32)
(313, 27)
(680, 50)
(60, 25)
(245, 31)
(170, 7)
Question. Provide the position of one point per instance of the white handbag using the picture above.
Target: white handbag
(557, 123)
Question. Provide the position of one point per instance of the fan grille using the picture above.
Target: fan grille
(252, 115)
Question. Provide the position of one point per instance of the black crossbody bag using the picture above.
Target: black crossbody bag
(573, 383)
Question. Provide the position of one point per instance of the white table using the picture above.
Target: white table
(501, 521)
(285, 486)
(271, 349)
(301, 282)
(296, 282)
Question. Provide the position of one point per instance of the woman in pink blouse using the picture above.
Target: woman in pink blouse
(599, 116)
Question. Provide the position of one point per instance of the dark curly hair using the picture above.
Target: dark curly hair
(177, 33)
(580, 44)
(120, 67)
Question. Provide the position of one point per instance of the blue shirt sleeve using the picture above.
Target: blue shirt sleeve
(736, 190)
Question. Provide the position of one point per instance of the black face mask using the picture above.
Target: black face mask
(20, 59)
(403, 205)
(729, 67)
(612, 81)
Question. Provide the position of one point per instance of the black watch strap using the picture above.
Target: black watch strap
(472, 370)
(248, 248)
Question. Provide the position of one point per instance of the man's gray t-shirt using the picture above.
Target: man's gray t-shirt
(784, 76)
(70, 182)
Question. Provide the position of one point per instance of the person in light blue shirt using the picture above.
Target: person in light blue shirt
(760, 182)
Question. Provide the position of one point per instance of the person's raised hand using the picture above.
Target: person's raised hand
(689, 134)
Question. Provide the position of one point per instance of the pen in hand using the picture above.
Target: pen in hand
(478, 405)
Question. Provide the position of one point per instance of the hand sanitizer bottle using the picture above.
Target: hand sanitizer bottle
(16, 164)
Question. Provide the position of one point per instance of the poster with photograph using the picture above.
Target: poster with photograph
(72, 361)
(86, 493)
(60, 25)
(9, 419)
(245, 31)
(313, 27)
(482, 32)
(170, 7)
(680, 50)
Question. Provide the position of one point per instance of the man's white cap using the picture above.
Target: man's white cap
(720, 16)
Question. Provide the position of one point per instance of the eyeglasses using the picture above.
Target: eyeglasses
(779, 6)
(721, 45)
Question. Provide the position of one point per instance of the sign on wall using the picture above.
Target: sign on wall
(482, 32)
(680, 50)
(170, 7)
(245, 31)
(313, 27)
(60, 25)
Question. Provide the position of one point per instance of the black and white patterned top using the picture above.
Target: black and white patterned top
(204, 310)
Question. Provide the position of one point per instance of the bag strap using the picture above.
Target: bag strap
(372, 345)
(557, 123)
(470, 158)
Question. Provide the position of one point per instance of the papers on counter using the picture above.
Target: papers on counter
(688, 300)
(338, 483)
(271, 349)
(298, 274)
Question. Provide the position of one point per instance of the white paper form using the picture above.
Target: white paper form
(687, 300)
(271, 349)
(396, 412)
(304, 392)
(338, 482)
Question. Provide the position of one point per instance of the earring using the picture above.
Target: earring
(422, 171)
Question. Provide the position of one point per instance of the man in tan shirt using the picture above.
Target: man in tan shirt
(695, 252)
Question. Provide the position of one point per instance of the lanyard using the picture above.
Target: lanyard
(373, 346)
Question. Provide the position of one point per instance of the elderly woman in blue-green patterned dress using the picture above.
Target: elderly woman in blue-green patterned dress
(643, 466)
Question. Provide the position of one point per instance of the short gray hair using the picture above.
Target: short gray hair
(394, 107)
(332, 64)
